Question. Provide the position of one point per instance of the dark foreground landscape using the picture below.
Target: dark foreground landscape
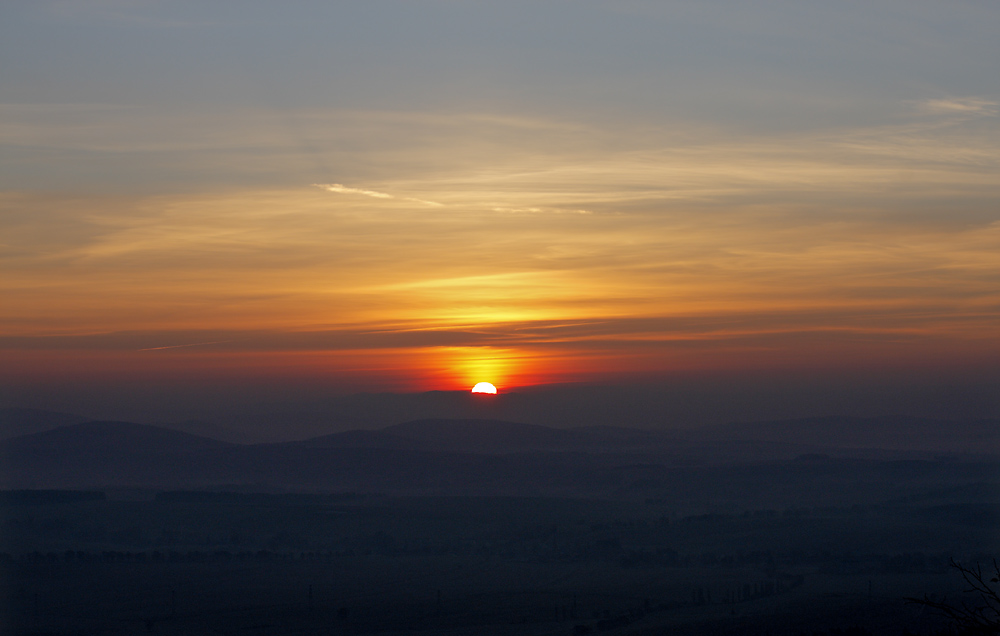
(488, 527)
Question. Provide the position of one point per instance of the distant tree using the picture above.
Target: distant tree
(981, 613)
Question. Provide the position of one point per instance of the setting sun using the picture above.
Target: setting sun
(484, 387)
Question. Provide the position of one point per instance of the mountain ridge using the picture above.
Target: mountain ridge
(438, 456)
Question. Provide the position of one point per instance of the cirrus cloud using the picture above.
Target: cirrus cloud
(342, 189)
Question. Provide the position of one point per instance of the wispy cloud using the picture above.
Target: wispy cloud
(719, 226)
(534, 210)
(342, 189)
(193, 344)
(959, 106)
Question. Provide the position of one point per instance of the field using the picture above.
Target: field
(232, 563)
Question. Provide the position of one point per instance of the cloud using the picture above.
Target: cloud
(193, 344)
(535, 210)
(959, 106)
(478, 164)
(342, 189)
(699, 223)
(336, 187)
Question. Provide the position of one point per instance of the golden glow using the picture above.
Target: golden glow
(484, 387)
(693, 254)
(468, 365)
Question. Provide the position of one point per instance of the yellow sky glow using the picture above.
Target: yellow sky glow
(503, 263)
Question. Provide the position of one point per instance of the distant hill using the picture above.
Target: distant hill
(361, 438)
(469, 456)
(893, 433)
(94, 454)
(422, 455)
(483, 436)
(99, 437)
(15, 422)
(494, 436)
(202, 428)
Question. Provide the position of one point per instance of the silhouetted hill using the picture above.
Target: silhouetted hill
(494, 436)
(361, 439)
(462, 457)
(894, 433)
(15, 422)
(620, 437)
(101, 437)
(96, 454)
(211, 430)
(483, 436)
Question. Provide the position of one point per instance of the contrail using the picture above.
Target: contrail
(193, 344)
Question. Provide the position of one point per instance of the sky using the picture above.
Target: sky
(400, 196)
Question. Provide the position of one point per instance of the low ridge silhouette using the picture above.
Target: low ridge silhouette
(15, 422)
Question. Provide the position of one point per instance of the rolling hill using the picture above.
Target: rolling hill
(15, 422)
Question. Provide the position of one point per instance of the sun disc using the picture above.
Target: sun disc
(484, 387)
